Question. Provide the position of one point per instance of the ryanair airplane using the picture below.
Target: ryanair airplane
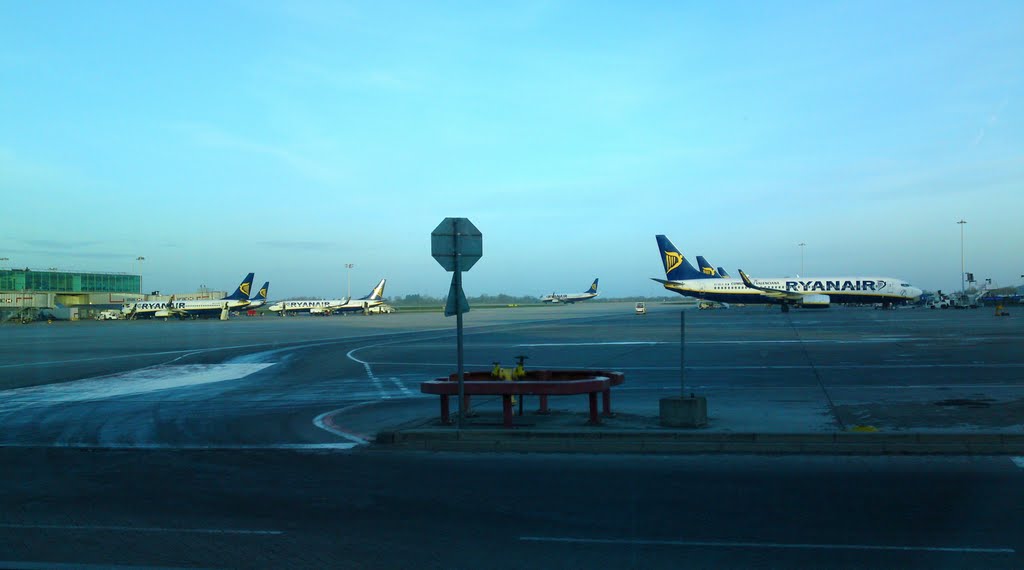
(331, 306)
(191, 309)
(818, 292)
(707, 269)
(260, 298)
(362, 304)
(573, 297)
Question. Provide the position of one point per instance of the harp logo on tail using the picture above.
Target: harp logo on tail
(673, 260)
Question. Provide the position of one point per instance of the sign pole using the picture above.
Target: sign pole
(457, 279)
(682, 354)
(457, 245)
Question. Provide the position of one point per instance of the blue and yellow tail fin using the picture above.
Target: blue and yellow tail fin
(706, 267)
(593, 287)
(261, 295)
(242, 292)
(722, 273)
(378, 292)
(676, 266)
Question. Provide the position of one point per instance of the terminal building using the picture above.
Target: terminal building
(31, 294)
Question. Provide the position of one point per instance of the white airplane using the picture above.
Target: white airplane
(260, 298)
(363, 304)
(331, 306)
(191, 309)
(572, 297)
(818, 292)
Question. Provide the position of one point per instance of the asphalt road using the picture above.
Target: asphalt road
(243, 443)
(368, 509)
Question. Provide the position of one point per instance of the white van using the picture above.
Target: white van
(641, 309)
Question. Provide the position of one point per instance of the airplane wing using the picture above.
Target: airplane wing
(770, 292)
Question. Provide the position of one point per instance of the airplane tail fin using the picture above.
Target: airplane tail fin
(378, 292)
(242, 292)
(706, 267)
(676, 266)
(593, 287)
(722, 273)
(261, 295)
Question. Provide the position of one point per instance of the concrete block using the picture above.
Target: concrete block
(690, 412)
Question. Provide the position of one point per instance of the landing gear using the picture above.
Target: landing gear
(785, 307)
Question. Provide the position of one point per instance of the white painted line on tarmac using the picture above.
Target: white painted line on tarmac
(806, 386)
(369, 372)
(873, 340)
(1018, 461)
(24, 565)
(325, 421)
(104, 528)
(609, 343)
(401, 386)
(728, 544)
(723, 367)
(853, 366)
(185, 446)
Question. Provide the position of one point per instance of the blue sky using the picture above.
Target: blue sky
(290, 138)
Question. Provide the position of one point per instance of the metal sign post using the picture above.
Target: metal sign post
(457, 245)
(682, 354)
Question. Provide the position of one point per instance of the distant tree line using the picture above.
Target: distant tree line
(419, 300)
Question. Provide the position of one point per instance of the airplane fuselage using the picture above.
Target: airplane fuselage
(574, 298)
(309, 305)
(838, 289)
(164, 309)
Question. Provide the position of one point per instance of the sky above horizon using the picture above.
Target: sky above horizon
(292, 138)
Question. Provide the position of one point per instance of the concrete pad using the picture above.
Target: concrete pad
(560, 432)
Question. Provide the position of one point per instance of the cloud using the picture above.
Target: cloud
(992, 120)
(51, 243)
(297, 244)
(214, 137)
(69, 252)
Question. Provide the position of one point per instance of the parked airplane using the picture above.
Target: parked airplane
(572, 297)
(682, 278)
(193, 308)
(260, 298)
(722, 273)
(363, 304)
(330, 306)
(706, 267)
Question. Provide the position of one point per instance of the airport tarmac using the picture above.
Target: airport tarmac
(180, 383)
(245, 443)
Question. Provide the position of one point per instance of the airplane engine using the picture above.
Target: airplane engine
(162, 314)
(815, 302)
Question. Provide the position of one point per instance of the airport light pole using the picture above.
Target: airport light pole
(140, 259)
(963, 291)
(348, 277)
(801, 244)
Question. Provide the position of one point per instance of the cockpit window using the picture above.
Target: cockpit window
(904, 284)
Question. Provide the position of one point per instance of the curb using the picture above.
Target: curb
(684, 442)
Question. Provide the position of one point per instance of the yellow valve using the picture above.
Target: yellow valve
(520, 371)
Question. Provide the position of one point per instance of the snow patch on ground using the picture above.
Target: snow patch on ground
(126, 384)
